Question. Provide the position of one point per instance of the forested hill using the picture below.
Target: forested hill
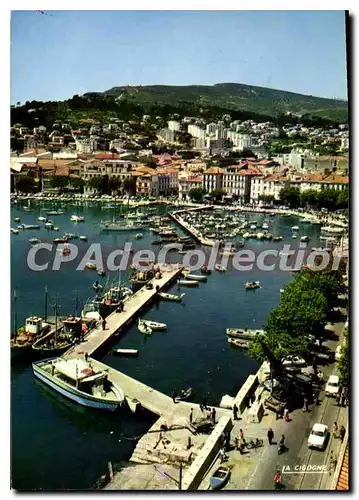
(236, 96)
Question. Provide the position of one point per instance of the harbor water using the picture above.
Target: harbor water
(57, 444)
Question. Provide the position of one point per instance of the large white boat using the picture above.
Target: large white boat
(83, 381)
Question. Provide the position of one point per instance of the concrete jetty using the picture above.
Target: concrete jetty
(176, 216)
(119, 320)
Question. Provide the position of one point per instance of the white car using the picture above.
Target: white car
(318, 436)
(332, 387)
(294, 361)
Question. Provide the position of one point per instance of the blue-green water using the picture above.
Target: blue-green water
(59, 445)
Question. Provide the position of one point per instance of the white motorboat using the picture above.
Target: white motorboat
(304, 238)
(171, 296)
(195, 277)
(83, 238)
(139, 236)
(42, 219)
(14, 231)
(243, 333)
(294, 236)
(188, 283)
(154, 325)
(305, 221)
(219, 268)
(143, 328)
(265, 225)
(83, 381)
(252, 285)
(77, 218)
(295, 228)
(125, 352)
(34, 241)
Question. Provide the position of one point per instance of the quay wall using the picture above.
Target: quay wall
(205, 457)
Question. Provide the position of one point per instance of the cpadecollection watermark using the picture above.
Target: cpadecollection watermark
(46, 256)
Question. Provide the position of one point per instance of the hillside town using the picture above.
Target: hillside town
(231, 161)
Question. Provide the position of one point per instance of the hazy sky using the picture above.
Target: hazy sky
(72, 52)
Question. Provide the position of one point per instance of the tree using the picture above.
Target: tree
(218, 194)
(343, 198)
(99, 183)
(327, 198)
(114, 184)
(343, 363)
(309, 198)
(196, 194)
(58, 181)
(266, 198)
(26, 184)
(129, 185)
(290, 196)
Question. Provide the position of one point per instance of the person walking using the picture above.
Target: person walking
(286, 414)
(270, 435)
(86, 356)
(191, 416)
(174, 395)
(235, 412)
(305, 404)
(342, 433)
(104, 324)
(338, 398)
(241, 434)
(213, 415)
(335, 430)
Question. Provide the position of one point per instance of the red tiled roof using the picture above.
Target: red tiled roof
(106, 156)
(214, 170)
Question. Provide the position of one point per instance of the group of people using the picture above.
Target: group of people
(338, 433)
(342, 397)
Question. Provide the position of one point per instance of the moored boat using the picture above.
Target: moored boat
(143, 328)
(171, 296)
(219, 478)
(125, 352)
(195, 277)
(82, 381)
(219, 268)
(24, 338)
(241, 343)
(252, 285)
(243, 333)
(188, 283)
(304, 238)
(154, 325)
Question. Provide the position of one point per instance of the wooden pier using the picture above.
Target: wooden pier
(119, 320)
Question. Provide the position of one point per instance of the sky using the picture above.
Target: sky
(63, 53)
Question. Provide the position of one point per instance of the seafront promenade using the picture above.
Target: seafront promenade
(117, 321)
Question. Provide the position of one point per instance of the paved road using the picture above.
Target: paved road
(298, 454)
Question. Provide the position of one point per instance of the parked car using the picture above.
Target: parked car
(332, 386)
(318, 436)
(274, 404)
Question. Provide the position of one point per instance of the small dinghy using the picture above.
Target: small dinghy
(295, 228)
(154, 325)
(219, 268)
(83, 238)
(195, 277)
(171, 296)
(183, 395)
(241, 343)
(144, 328)
(125, 352)
(188, 283)
(219, 478)
(252, 285)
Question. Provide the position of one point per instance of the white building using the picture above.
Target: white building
(212, 179)
(174, 125)
(86, 146)
(240, 141)
(237, 183)
(196, 131)
(166, 135)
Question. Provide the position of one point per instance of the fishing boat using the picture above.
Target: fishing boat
(85, 382)
(24, 338)
(154, 325)
(125, 352)
(34, 241)
(77, 218)
(60, 240)
(143, 328)
(140, 278)
(243, 333)
(61, 338)
(252, 285)
(171, 296)
(188, 283)
(219, 268)
(304, 238)
(112, 299)
(242, 344)
(219, 478)
(195, 277)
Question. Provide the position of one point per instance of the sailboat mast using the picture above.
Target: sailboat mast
(15, 314)
(46, 297)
